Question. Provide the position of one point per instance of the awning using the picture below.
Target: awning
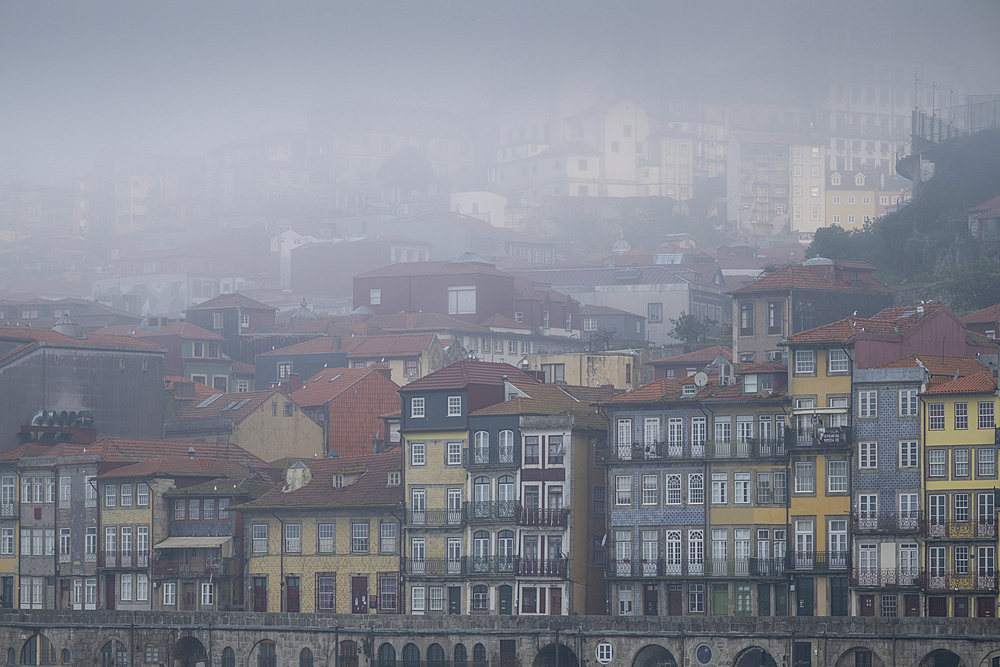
(199, 543)
(820, 411)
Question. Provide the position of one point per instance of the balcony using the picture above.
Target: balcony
(885, 522)
(818, 561)
(210, 566)
(961, 581)
(542, 567)
(535, 516)
(492, 455)
(483, 565)
(888, 578)
(482, 511)
(709, 567)
(8, 509)
(436, 517)
(123, 559)
(434, 566)
(959, 529)
(831, 436)
(743, 448)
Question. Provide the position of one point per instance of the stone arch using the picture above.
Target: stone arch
(479, 655)
(386, 655)
(11, 656)
(754, 656)
(654, 655)
(461, 655)
(941, 657)
(228, 657)
(190, 651)
(113, 652)
(348, 653)
(411, 655)
(547, 657)
(39, 650)
(989, 658)
(849, 658)
(263, 653)
(435, 655)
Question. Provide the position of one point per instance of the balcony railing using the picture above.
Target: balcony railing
(541, 567)
(831, 436)
(960, 529)
(436, 517)
(709, 567)
(463, 565)
(8, 509)
(801, 561)
(962, 581)
(891, 577)
(491, 564)
(124, 559)
(212, 566)
(740, 448)
(492, 455)
(477, 511)
(873, 522)
(535, 516)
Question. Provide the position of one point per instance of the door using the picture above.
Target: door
(348, 653)
(911, 604)
(674, 600)
(650, 600)
(455, 599)
(8, 593)
(867, 604)
(985, 608)
(260, 593)
(961, 607)
(109, 591)
(188, 597)
(508, 653)
(555, 602)
(720, 599)
(506, 601)
(292, 590)
(802, 654)
(805, 591)
(359, 595)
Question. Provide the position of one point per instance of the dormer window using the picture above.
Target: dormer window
(766, 382)
(859, 179)
(835, 179)
(338, 481)
(750, 383)
(689, 390)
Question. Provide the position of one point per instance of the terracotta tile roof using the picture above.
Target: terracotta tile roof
(763, 367)
(986, 210)
(370, 488)
(463, 373)
(182, 329)
(125, 450)
(237, 406)
(242, 368)
(432, 268)
(841, 331)
(328, 384)
(657, 390)
(50, 337)
(988, 315)
(28, 449)
(980, 383)
(180, 466)
(321, 345)
(392, 345)
(201, 391)
(326, 326)
(252, 487)
(234, 300)
(524, 289)
(734, 394)
(708, 355)
(905, 317)
(553, 399)
(792, 276)
(431, 322)
(937, 365)
(504, 322)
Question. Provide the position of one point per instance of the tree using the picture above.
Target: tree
(975, 286)
(601, 340)
(407, 169)
(690, 328)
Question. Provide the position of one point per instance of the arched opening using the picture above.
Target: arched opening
(435, 656)
(859, 656)
(190, 652)
(305, 658)
(349, 653)
(461, 656)
(654, 656)
(478, 655)
(547, 657)
(411, 655)
(228, 657)
(11, 656)
(114, 654)
(267, 654)
(754, 656)
(386, 655)
(38, 650)
(941, 657)
(67, 657)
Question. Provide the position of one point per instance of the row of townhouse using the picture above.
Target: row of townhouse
(846, 484)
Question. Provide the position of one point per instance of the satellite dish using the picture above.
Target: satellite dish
(700, 379)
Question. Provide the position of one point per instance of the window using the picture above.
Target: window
(590, 324)
(937, 463)
(582, 164)
(741, 488)
(50, 489)
(650, 492)
(359, 538)
(625, 600)
(110, 496)
(837, 477)
(696, 598)
(454, 406)
(7, 542)
(375, 297)
(326, 593)
(284, 370)
(907, 402)
(142, 495)
(623, 490)
(418, 454)
(293, 538)
(746, 319)
(908, 454)
(961, 416)
(455, 450)
(805, 362)
(868, 404)
(479, 598)
(125, 591)
(462, 300)
(696, 489)
(569, 322)
(531, 450)
(837, 361)
(774, 317)
(935, 416)
(260, 538)
(417, 408)
(417, 599)
(804, 479)
(223, 509)
(986, 414)
(216, 320)
(126, 495)
(387, 537)
(961, 461)
(208, 509)
(720, 484)
(600, 502)
(193, 510)
(673, 486)
(962, 507)
(91, 541)
(436, 599)
(986, 511)
(556, 450)
(868, 454)
(655, 312)
(207, 594)
(987, 459)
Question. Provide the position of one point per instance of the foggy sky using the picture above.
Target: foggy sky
(182, 77)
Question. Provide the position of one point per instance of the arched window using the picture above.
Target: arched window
(386, 655)
(349, 653)
(505, 497)
(461, 655)
(305, 658)
(266, 654)
(479, 653)
(479, 602)
(435, 656)
(505, 551)
(11, 656)
(38, 650)
(481, 551)
(481, 454)
(505, 452)
(228, 657)
(67, 657)
(114, 653)
(481, 497)
(411, 656)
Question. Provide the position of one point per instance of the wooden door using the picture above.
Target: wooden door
(506, 601)
(260, 593)
(720, 599)
(359, 595)
(911, 604)
(985, 608)
(555, 601)
(867, 604)
(674, 600)
(806, 596)
(962, 607)
(188, 598)
(455, 600)
(292, 594)
(650, 600)
(110, 593)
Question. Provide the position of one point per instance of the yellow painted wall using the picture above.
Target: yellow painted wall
(274, 437)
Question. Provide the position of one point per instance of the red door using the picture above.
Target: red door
(912, 603)
(867, 603)
(260, 593)
(359, 595)
(292, 593)
(109, 591)
(985, 607)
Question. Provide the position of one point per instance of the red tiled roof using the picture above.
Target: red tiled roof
(937, 365)
(988, 315)
(182, 329)
(433, 268)
(181, 466)
(328, 384)
(504, 322)
(841, 331)
(392, 345)
(734, 393)
(370, 489)
(242, 368)
(553, 399)
(431, 322)
(234, 300)
(321, 345)
(50, 337)
(226, 405)
(656, 390)
(980, 383)
(792, 276)
(986, 210)
(905, 317)
(28, 449)
(708, 355)
(763, 367)
(126, 450)
(201, 391)
(463, 373)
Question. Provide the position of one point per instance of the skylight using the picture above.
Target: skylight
(208, 401)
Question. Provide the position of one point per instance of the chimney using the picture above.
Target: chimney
(294, 382)
(920, 312)
(608, 387)
(297, 476)
(384, 370)
(184, 389)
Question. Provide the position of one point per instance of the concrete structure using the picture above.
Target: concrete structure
(232, 316)
(486, 206)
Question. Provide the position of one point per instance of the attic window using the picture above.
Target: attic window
(338, 481)
(750, 383)
(689, 390)
(394, 478)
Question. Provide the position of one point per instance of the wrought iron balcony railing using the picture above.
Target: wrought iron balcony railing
(962, 581)
(478, 511)
(709, 567)
(436, 517)
(542, 567)
(492, 455)
(740, 448)
(886, 522)
(985, 527)
(830, 436)
(885, 578)
(211, 566)
(534, 516)
(818, 561)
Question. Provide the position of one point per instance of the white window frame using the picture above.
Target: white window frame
(454, 406)
(418, 454)
(908, 403)
(868, 404)
(909, 456)
(843, 363)
(805, 362)
(868, 454)
(837, 480)
(417, 407)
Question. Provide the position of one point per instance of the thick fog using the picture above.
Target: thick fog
(183, 77)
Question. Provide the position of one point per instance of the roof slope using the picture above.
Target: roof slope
(390, 345)
(708, 355)
(987, 315)
(129, 450)
(233, 300)
(182, 329)
(937, 365)
(980, 383)
(50, 337)
(553, 399)
(321, 345)
(792, 276)
(466, 372)
(238, 406)
(433, 268)
(330, 383)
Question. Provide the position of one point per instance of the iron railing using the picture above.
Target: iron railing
(534, 516)
(985, 527)
(210, 566)
(739, 448)
(493, 454)
(831, 436)
(478, 511)
(961, 581)
(892, 521)
(709, 567)
(885, 578)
